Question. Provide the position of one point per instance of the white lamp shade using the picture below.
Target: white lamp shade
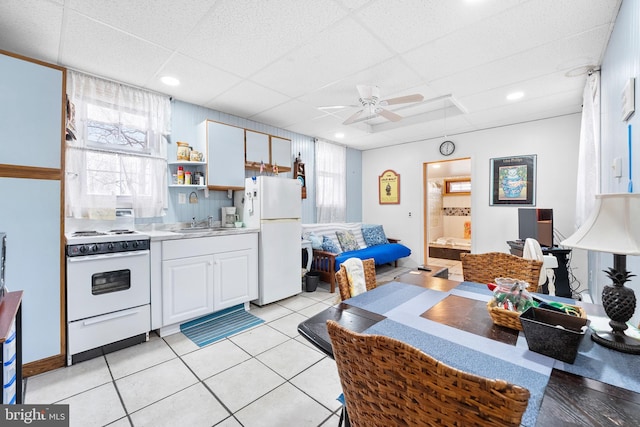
(613, 226)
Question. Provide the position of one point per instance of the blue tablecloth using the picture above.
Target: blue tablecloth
(402, 304)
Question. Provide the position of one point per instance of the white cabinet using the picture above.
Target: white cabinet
(256, 147)
(187, 288)
(281, 152)
(201, 275)
(235, 275)
(225, 155)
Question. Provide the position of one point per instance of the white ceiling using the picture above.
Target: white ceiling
(277, 61)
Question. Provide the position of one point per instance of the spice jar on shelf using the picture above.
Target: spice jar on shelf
(187, 178)
(180, 175)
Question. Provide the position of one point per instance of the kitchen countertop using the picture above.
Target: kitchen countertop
(168, 234)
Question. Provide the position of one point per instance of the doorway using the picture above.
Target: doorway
(447, 213)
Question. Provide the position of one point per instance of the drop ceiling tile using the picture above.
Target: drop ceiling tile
(199, 82)
(165, 22)
(104, 51)
(424, 21)
(243, 39)
(344, 49)
(32, 28)
(286, 114)
(247, 99)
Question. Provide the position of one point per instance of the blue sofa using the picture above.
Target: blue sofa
(327, 262)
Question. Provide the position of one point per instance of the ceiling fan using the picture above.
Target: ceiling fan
(374, 106)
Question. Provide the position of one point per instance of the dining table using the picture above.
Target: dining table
(449, 320)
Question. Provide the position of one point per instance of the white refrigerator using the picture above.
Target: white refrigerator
(274, 205)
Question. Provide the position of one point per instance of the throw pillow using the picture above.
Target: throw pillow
(374, 235)
(329, 246)
(316, 241)
(347, 241)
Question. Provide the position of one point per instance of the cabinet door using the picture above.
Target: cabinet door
(235, 278)
(257, 147)
(187, 288)
(30, 113)
(281, 151)
(225, 155)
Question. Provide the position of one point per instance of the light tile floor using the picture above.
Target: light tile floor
(266, 376)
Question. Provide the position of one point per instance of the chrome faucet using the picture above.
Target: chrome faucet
(210, 221)
(193, 222)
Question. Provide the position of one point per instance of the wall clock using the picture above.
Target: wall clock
(447, 148)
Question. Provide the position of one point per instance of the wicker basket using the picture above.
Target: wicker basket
(511, 319)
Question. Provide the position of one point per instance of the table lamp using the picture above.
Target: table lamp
(614, 227)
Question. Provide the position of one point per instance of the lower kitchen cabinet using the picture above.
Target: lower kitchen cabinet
(187, 288)
(202, 275)
(234, 273)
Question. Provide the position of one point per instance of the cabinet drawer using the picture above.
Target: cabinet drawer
(91, 333)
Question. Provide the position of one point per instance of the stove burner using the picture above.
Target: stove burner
(122, 231)
(88, 233)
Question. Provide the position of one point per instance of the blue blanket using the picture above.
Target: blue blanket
(382, 254)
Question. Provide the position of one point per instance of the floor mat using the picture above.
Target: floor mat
(218, 325)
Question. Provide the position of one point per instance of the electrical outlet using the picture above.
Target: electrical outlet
(409, 214)
(182, 198)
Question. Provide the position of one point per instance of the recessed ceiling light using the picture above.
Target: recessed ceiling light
(436, 166)
(515, 95)
(339, 135)
(170, 81)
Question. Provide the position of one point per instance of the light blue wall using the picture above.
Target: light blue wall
(185, 119)
(621, 62)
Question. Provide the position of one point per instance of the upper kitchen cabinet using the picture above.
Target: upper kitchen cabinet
(281, 153)
(256, 148)
(30, 113)
(225, 155)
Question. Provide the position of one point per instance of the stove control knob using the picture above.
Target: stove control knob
(94, 248)
(83, 249)
(135, 243)
(125, 245)
(110, 246)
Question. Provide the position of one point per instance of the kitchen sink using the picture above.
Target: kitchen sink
(202, 229)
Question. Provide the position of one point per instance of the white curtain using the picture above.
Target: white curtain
(589, 152)
(116, 148)
(331, 182)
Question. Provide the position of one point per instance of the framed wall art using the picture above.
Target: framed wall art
(389, 188)
(513, 181)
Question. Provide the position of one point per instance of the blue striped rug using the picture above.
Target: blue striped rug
(218, 325)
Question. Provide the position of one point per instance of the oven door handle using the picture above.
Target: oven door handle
(110, 316)
(83, 258)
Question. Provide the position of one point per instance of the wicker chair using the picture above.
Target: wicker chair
(369, 266)
(389, 383)
(484, 268)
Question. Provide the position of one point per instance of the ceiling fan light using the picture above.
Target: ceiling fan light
(170, 81)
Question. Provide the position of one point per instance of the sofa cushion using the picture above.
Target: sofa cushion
(316, 241)
(329, 229)
(329, 246)
(382, 254)
(374, 235)
(347, 241)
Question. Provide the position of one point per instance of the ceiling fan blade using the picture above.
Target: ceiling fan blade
(388, 115)
(416, 97)
(353, 117)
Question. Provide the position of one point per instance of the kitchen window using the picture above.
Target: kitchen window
(116, 147)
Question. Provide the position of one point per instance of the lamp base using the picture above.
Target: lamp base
(617, 341)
